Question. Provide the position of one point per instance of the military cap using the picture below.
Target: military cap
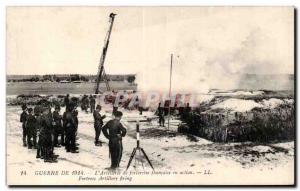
(24, 107)
(118, 114)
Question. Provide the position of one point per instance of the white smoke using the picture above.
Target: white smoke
(198, 68)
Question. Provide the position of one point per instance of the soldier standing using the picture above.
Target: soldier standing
(67, 101)
(115, 109)
(92, 103)
(38, 114)
(87, 104)
(23, 119)
(98, 122)
(69, 124)
(84, 103)
(75, 115)
(31, 126)
(46, 136)
(114, 131)
(161, 115)
(58, 128)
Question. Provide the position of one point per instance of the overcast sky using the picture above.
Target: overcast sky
(207, 42)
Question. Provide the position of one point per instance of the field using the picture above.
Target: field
(17, 88)
(168, 150)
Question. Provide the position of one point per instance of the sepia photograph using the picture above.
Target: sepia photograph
(150, 96)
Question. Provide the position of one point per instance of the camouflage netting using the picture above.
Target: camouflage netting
(258, 125)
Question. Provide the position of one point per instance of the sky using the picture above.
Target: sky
(210, 45)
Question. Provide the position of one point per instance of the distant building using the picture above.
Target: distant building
(66, 77)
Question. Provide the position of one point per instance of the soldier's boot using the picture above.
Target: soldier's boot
(47, 155)
(42, 150)
(54, 156)
(38, 153)
(53, 160)
(74, 151)
(24, 142)
(68, 148)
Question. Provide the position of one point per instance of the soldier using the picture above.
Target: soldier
(115, 109)
(140, 110)
(186, 111)
(67, 101)
(98, 122)
(38, 113)
(92, 103)
(75, 115)
(23, 118)
(161, 115)
(46, 136)
(84, 103)
(69, 124)
(31, 126)
(58, 128)
(114, 131)
(87, 104)
(51, 129)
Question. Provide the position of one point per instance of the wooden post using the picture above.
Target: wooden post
(170, 91)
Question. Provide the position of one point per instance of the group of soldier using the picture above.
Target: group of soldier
(88, 102)
(44, 130)
(163, 110)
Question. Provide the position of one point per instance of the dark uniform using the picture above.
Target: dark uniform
(31, 128)
(98, 123)
(186, 112)
(67, 102)
(75, 115)
(40, 151)
(161, 115)
(58, 128)
(70, 124)
(92, 104)
(115, 109)
(85, 103)
(114, 131)
(23, 119)
(45, 137)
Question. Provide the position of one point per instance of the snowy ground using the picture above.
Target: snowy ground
(199, 160)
